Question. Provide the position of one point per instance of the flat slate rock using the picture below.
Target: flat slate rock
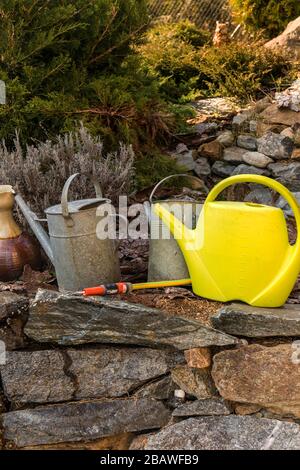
(13, 316)
(12, 304)
(263, 375)
(209, 407)
(85, 421)
(70, 320)
(254, 322)
(227, 433)
(50, 376)
(36, 377)
(162, 389)
(194, 381)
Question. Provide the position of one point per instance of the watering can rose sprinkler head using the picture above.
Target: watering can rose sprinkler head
(240, 251)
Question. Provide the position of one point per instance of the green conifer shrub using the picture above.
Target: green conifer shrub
(67, 61)
(185, 69)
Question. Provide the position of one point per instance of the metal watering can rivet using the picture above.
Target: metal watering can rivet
(79, 257)
(239, 250)
(166, 261)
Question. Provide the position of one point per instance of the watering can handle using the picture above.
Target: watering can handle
(169, 177)
(272, 184)
(65, 191)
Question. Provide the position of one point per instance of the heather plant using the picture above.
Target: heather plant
(39, 171)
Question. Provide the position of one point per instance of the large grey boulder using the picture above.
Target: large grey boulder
(254, 322)
(218, 106)
(227, 433)
(69, 320)
(66, 374)
(289, 40)
(85, 421)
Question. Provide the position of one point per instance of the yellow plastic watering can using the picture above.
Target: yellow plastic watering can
(240, 250)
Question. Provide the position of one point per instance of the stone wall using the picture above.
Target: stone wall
(101, 374)
(264, 139)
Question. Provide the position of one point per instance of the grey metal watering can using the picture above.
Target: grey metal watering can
(166, 261)
(79, 257)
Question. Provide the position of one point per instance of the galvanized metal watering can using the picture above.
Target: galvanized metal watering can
(79, 257)
(240, 250)
(166, 261)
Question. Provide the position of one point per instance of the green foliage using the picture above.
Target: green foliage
(129, 108)
(169, 53)
(181, 114)
(272, 16)
(66, 61)
(153, 167)
(55, 56)
(241, 70)
(190, 33)
(184, 71)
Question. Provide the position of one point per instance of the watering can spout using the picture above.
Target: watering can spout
(183, 235)
(80, 254)
(36, 227)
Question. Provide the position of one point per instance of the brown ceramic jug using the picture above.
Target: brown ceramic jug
(17, 248)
